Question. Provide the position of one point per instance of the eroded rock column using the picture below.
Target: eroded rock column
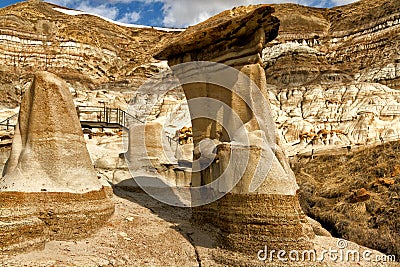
(49, 188)
(249, 217)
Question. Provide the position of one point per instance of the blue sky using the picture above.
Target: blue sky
(168, 13)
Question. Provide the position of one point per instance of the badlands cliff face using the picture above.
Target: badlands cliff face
(96, 57)
(360, 40)
(333, 74)
(43, 36)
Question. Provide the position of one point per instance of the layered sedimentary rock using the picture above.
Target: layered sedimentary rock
(365, 40)
(49, 188)
(36, 34)
(359, 40)
(249, 216)
(89, 52)
(323, 69)
(329, 115)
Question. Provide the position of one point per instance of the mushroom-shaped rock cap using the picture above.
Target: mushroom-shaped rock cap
(235, 25)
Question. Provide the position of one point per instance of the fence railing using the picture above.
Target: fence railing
(105, 116)
(90, 116)
(9, 123)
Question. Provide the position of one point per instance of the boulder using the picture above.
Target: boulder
(360, 195)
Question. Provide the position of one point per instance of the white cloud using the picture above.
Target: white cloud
(130, 17)
(315, 3)
(342, 2)
(104, 10)
(112, 2)
(62, 2)
(179, 13)
(101, 10)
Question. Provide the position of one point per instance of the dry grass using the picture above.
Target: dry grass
(329, 193)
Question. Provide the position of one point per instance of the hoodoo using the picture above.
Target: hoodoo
(49, 188)
(248, 219)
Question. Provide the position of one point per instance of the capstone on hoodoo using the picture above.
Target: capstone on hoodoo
(270, 214)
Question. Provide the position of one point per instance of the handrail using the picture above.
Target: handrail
(6, 122)
(107, 115)
(103, 115)
(9, 118)
(170, 140)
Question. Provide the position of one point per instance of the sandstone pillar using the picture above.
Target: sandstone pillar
(249, 216)
(49, 188)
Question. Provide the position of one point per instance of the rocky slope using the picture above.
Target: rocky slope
(334, 74)
(355, 195)
(360, 40)
(37, 35)
(93, 55)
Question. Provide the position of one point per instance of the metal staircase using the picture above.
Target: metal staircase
(90, 117)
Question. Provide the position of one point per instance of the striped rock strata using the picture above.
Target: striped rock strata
(333, 75)
(40, 35)
(49, 189)
(248, 218)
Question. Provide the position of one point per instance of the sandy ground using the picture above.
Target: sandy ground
(145, 232)
(135, 236)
